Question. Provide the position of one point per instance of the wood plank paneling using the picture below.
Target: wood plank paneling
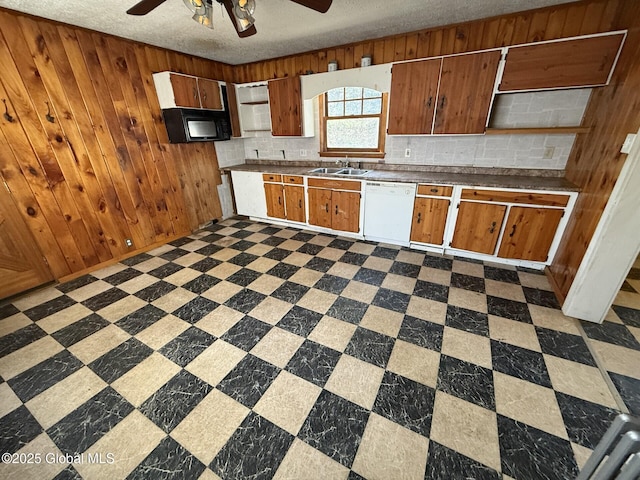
(87, 156)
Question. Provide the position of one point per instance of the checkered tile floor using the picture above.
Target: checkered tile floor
(252, 351)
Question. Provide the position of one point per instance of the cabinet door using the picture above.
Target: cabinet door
(464, 96)
(294, 202)
(478, 227)
(571, 63)
(185, 91)
(319, 207)
(414, 87)
(234, 114)
(528, 233)
(285, 103)
(275, 199)
(209, 94)
(429, 220)
(345, 211)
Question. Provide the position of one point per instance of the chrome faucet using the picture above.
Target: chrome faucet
(344, 163)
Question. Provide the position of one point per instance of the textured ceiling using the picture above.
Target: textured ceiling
(284, 27)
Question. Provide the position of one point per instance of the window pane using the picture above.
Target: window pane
(335, 94)
(372, 106)
(353, 133)
(353, 92)
(336, 109)
(369, 93)
(353, 107)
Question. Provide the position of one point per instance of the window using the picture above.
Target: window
(353, 120)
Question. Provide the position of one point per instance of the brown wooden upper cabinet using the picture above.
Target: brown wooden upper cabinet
(185, 91)
(561, 64)
(176, 90)
(450, 95)
(285, 102)
(209, 94)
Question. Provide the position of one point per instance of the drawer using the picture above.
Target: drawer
(333, 184)
(271, 177)
(546, 199)
(435, 190)
(297, 179)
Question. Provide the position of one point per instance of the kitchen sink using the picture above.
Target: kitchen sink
(326, 170)
(354, 172)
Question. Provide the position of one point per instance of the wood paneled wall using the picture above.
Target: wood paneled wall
(581, 18)
(595, 161)
(87, 156)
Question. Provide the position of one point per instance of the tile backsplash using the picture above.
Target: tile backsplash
(533, 109)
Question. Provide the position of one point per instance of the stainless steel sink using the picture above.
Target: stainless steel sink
(354, 172)
(326, 170)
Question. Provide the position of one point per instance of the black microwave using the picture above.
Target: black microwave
(186, 125)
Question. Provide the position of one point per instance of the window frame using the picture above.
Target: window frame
(357, 152)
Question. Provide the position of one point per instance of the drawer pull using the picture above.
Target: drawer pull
(299, 203)
(493, 227)
(279, 201)
(513, 231)
(327, 207)
(434, 190)
(419, 217)
(336, 209)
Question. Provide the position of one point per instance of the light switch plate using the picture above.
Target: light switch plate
(628, 143)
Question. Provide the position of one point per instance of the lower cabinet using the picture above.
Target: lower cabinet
(286, 200)
(529, 233)
(333, 208)
(478, 227)
(430, 214)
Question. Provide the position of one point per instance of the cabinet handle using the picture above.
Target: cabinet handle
(513, 231)
(336, 209)
(299, 203)
(429, 102)
(434, 190)
(419, 217)
(195, 94)
(493, 227)
(327, 207)
(279, 201)
(442, 101)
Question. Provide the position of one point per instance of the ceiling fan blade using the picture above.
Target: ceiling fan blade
(228, 5)
(144, 7)
(318, 5)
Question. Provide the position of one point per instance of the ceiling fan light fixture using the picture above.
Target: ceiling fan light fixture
(243, 11)
(198, 7)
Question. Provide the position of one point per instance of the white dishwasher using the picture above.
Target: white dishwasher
(388, 210)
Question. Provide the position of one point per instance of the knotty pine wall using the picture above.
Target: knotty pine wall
(103, 170)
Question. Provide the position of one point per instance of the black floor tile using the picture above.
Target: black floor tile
(290, 292)
(532, 454)
(245, 300)
(201, 284)
(370, 276)
(246, 333)
(209, 250)
(431, 291)
(88, 423)
(626, 287)
(104, 299)
(335, 427)
(155, 291)
(20, 338)
(243, 245)
(391, 300)
(501, 274)
(115, 363)
(467, 320)
(143, 257)
(310, 249)
(179, 242)
(255, 450)
(270, 230)
(283, 270)
(341, 244)
(169, 460)
(611, 333)
(445, 464)
(434, 261)
(543, 298)
(165, 270)
(273, 241)
(142, 318)
(421, 332)
(205, 264)
(40, 377)
(194, 310)
(332, 284)
(564, 345)
(76, 283)
(405, 402)
(68, 473)
(384, 252)
(629, 316)
(187, 346)
(520, 363)
(467, 282)
(586, 422)
(467, 381)
(510, 309)
(242, 234)
(17, 429)
(174, 254)
(80, 330)
(300, 321)
(353, 258)
(348, 310)
(163, 408)
(123, 276)
(8, 310)
(249, 380)
(243, 259)
(370, 346)
(405, 269)
(242, 224)
(320, 264)
(634, 274)
(49, 308)
(313, 362)
(244, 277)
(629, 389)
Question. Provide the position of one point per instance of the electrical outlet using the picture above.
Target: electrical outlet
(128, 242)
(548, 152)
(303, 152)
(407, 152)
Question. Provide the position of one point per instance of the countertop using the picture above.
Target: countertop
(511, 178)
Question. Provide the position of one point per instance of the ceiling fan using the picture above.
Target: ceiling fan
(240, 11)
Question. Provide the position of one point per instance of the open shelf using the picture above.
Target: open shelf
(258, 130)
(257, 102)
(537, 130)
